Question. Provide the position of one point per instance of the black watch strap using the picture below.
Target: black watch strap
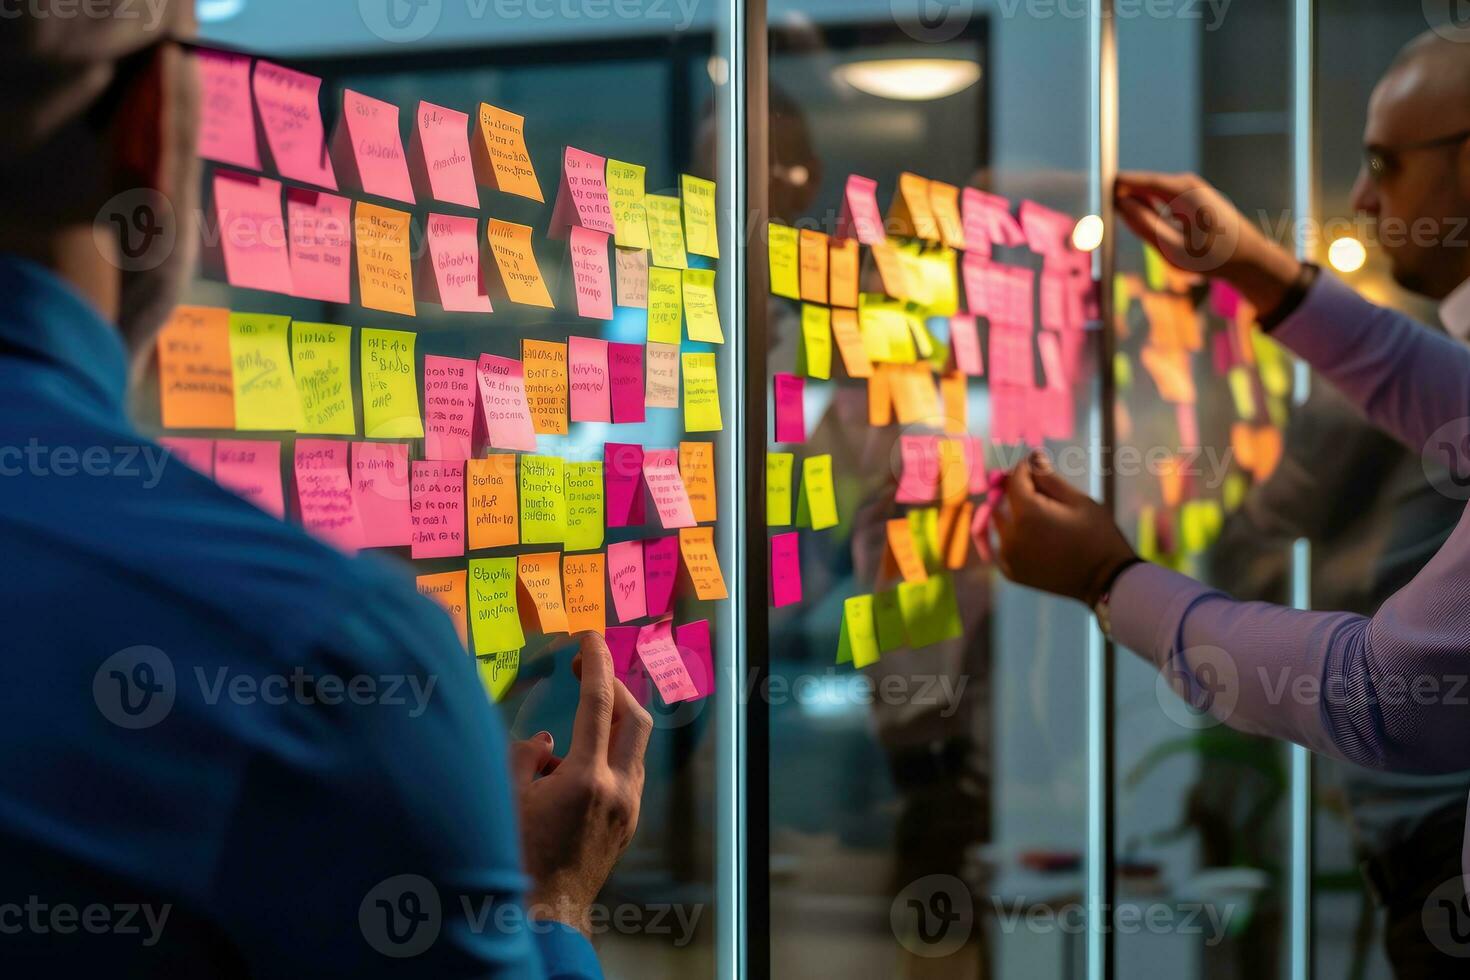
(1296, 294)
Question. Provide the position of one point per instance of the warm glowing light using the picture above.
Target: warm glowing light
(1088, 234)
(909, 79)
(1347, 254)
(719, 69)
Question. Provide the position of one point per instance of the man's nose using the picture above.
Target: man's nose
(1365, 194)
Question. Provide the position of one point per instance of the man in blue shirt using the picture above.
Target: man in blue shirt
(230, 750)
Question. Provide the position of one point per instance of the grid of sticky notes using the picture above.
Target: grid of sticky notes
(899, 304)
(396, 446)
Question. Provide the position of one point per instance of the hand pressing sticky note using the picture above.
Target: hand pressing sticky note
(790, 414)
(700, 228)
(380, 484)
(439, 156)
(227, 112)
(701, 394)
(849, 340)
(507, 417)
(590, 273)
(779, 469)
(321, 358)
(448, 590)
(670, 499)
(701, 307)
(265, 390)
(495, 621)
(702, 562)
(390, 397)
(543, 500)
(384, 262)
(815, 248)
(251, 469)
(784, 260)
(625, 382)
(545, 365)
(541, 578)
(519, 276)
(785, 569)
(581, 200)
(622, 467)
(291, 115)
(660, 573)
(195, 378)
(661, 387)
(436, 492)
(324, 493)
(321, 245)
(367, 148)
(816, 341)
(622, 643)
(857, 643)
(499, 154)
(666, 668)
(697, 468)
(591, 398)
(666, 231)
(492, 515)
(584, 503)
(451, 272)
(252, 233)
(625, 195)
(816, 505)
(449, 407)
(625, 579)
(586, 593)
(665, 305)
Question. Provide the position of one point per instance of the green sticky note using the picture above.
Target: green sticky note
(924, 528)
(858, 642)
(543, 500)
(665, 305)
(930, 612)
(265, 390)
(390, 390)
(888, 620)
(816, 341)
(495, 622)
(585, 520)
(321, 357)
(498, 672)
(1154, 270)
(779, 467)
(784, 255)
(816, 504)
(666, 231)
(1236, 487)
(701, 306)
(1148, 534)
(625, 197)
(700, 229)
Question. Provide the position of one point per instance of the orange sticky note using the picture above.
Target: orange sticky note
(698, 547)
(500, 156)
(944, 201)
(880, 396)
(546, 385)
(905, 555)
(697, 467)
(384, 258)
(540, 576)
(195, 379)
(1171, 373)
(448, 589)
(843, 264)
(954, 470)
(849, 337)
(490, 491)
(910, 215)
(955, 395)
(586, 593)
(813, 247)
(520, 276)
(957, 551)
(890, 270)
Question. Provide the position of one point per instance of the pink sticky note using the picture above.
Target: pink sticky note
(321, 245)
(975, 269)
(226, 110)
(980, 529)
(291, 116)
(1224, 299)
(660, 571)
(790, 408)
(692, 639)
(324, 493)
(454, 259)
(987, 219)
(622, 643)
(589, 391)
(581, 200)
(625, 580)
(860, 217)
(666, 487)
(380, 483)
(965, 342)
(449, 407)
(1055, 288)
(506, 416)
(436, 489)
(660, 656)
(252, 233)
(197, 454)
(1008, 406)
(1051, 360)
(785, 569)
(1047, 232)
(439, 156)
(1010, 354)
(590, 273)
(622, 474)
(252, 469)
(918, 482)
(625, 377)
(367, 148)
(975, 457)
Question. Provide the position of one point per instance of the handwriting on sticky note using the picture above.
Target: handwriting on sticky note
(660, 573)
(515, 259)
(454, 260)
(631, 273)
(590, 392)
(449, 407)
(666, 231)
(785, 569)
(905, 556)
(291, 116)
(541, 578)
(439, 156)
(779, 469)
(790, 414)
(436, 494)
(380, 485)
(507, 417)
(195, 379)
(625, 382)
(321, 359)
(390, 398)
(543, 500)
(252, 470)
(226, 110)
(784, 260)
(665, 305)
(701, 394)
(584, 503)
(590, 273)
(815, 249)
(499, 154)
(586, 592)
(492, 517)
(816, 505)
(701, 231)
(843, 264)
(857, 642)
(252, 233)
(666, 668)
(448, 590)
(321, 245)
(265, 390)
(495, 621)
(703, 562)
(197, 454)
(625, 578)
(701, 307)
(697, 468)
(625, 195)
(666, 487)
(581, 200)
(860, 217)
(324, 493)
(545, 365)
(661, 388)
(622, 468)
(384, 265)
(849, 339)
(367, 148)
(816, 341)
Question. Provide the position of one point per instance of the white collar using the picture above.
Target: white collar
(1454, 312)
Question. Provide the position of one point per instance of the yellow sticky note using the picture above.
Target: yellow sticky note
(816, 341)
(540, 576)
(698, 547)
(625, 194)
(941, 279)
(701, 394)
(779, 467)
(701, 307)
(816, 504)
(666, 231)
(930, 612)
(697, 468)
(784, 255)
(390, 391)
(858, 641)
(265, 389)
(384, 258)
(585, 512)
(700, 228)
(665, 305)
(321, 356)
(498, 672)
(1242, 392)
(543, 500)
(495, 623)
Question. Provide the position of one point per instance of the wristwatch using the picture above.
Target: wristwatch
(1103, 607)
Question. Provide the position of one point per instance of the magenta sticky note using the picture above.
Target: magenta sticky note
(252, 233)
(790, 391)
(581, 197)
(860, 217)
(506, 416)
(291, 115)
(367, 148)
(625, 580)
(660, 571)
(449, 407)
(625, 378)
(324, 493)
(252, 469)
(439, 156)
(693, 642)
(226, 109)
(436, 494)
(918, 481)
(622, 643)
(380, 483)
(591, 274)
(660, 656)
(666, 487)
(1224, 299)
(321, 245)
(454, 259)
(964, 340)
(622, 477)
(785, 569)
(197, 454)
(589, 393)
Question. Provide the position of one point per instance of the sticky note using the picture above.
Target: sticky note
(195, 380)
(545, 366)
(911, 215)
(324, 493)
(816, 341)
(590, 273)
(905, 556)
(631, 277)
(495, 621)
(891, 271)
(697, 468)
(980, 530)
(702, 562)
(880, 397)
(515, 259)
(321, 360)
(784, 258)
(785, 569)
(779, 468)
(581, 200)
(693, 642)
(857, 642)
(439, 156)
(701, 307)
(661, 388)
(816, 504)
(814, 250)
(449, 407)
(790, 414)
(506, 415)
(665, 305)
(957, 550)
(888, 621)
(251, 469)
(843, 263)
(291, 116)
(585, 583)
(540, 576)
(197, 454)
(924, 529)
(625, 195)
(584, 505)
(964, 343)
(367, 148)
(666, 231)
(860, 217)
(625, 381)
(226, 110)
(591, 397)
(499, 154)
(492, 517)
(701, 394)
(265, 390)
(987, 220)
(453, 256)
(930, 613)
(919, 479)
(498, 672)
(380, 485)
(701, 230)
(252, 233)
(625, 578)
(666, 486)
(849, 339)
(390, 399)
(622, 469)
(622, 643)
(944, 202)
(660, 656)
(436, 509)
(955, 395)
(384, 263)
(448, 590)
(660, 573)
(320, 226)
(543, 500)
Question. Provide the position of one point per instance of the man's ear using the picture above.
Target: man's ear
(141, 136)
